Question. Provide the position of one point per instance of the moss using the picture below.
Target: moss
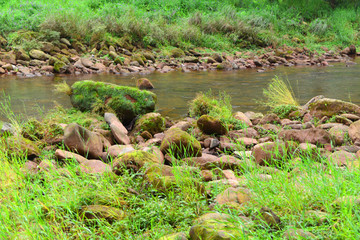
(211, 125)
(58, 66)
(135, 160)
(126, 102)
(180, 144)
(151, 122)
(177, 53)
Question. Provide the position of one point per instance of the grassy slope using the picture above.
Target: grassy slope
(221, 25)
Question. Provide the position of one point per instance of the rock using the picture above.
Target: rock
(151, 122)
(330, 107)
(21, 55)
(30, 168)
(47, 47)
(271, 118)
(220, 227)
(180, 144)
(47, 166)
(352, 117)
(352, 50)
(217, 57)
(269, 153)
(87, 62)
(6, 128)
(8, 57)
(83, 141)
(65, 41)
(117, 150)
(242, 117)
(175, 236)
(144, 83)
(38, 54)
(247, 132)
(298, 234)
(207, 161)
(62, 155)
(211, 143)
(183, 125)
(60, 66)
(134, 160)
(94, 166)
(177, 53)
(312, 135)
(210, 125)
(190, 59)
(354, 131)
(126, 102)
(247, 142)
(234, 195)
(21, 147)
(94, 212)
(339, 133)
(342, 158)
(269, 217)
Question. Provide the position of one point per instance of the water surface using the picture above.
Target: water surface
(33, 96)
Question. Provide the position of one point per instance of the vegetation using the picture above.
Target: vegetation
(279, 93)
(226, 25)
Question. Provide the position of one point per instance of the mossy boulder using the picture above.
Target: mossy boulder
(177, 53)
(21, 54)
(38, 54)
(134, 160)
(150, 122)
(180, 144)
(175, 236)
(330, 107)
(94, 212)
(19, 146)
(59, 66)
(211, 125)
(126, 102)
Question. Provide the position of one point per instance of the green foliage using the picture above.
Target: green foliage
(226, 25)
(284, 110)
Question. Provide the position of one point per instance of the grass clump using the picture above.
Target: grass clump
(283, 110)
(279, 93)
(63, 88)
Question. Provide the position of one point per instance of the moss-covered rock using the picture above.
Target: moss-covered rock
(59, 66)
(330, 107)
(38, 54)
(177, 53)
(150, 122)
(94, 212)
(211, 125)
(180, 144)
(175, 236)
(19, 146)
(134, 160)
(126, 102)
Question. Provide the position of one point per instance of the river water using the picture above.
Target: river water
(33, 96)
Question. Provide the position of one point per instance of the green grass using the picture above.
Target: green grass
(227, 25)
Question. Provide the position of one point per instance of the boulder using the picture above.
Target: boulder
(207, 162)
(29, 168)
(271, 118)
(342, 158)
(38, 54)
(117, 150)
(144, 83)
(175, 236)
(62, 155)
(21, 55)
(269, 153)
(242, 117)
(354, 131)
(292, 234)
(330, 107)
(151, 122)
(126, 102)
(312, 135)
(94, 212)
(83, 141)
(134, 160)
(210, 125)
(180, 144)
(21, 147)
(339, 133)
(6, 128)
(94, 167)
(234, 195)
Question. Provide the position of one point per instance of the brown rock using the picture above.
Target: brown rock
(269, 152)
(83, 141)
(342, 158)
(330, 107)
(144, 83)
(338, 133)
(94, 166)
(270, 118)
(117, 150)
(242, 117)
(210, 125)
(354, 131)
(312, 135)
(234, 195)
(62, 155)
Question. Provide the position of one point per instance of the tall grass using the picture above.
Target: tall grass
(225, 25)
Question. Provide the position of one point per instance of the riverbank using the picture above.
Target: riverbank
(289, 174)
(69, 58)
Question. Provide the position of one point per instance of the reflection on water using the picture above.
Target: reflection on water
(175, 89)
